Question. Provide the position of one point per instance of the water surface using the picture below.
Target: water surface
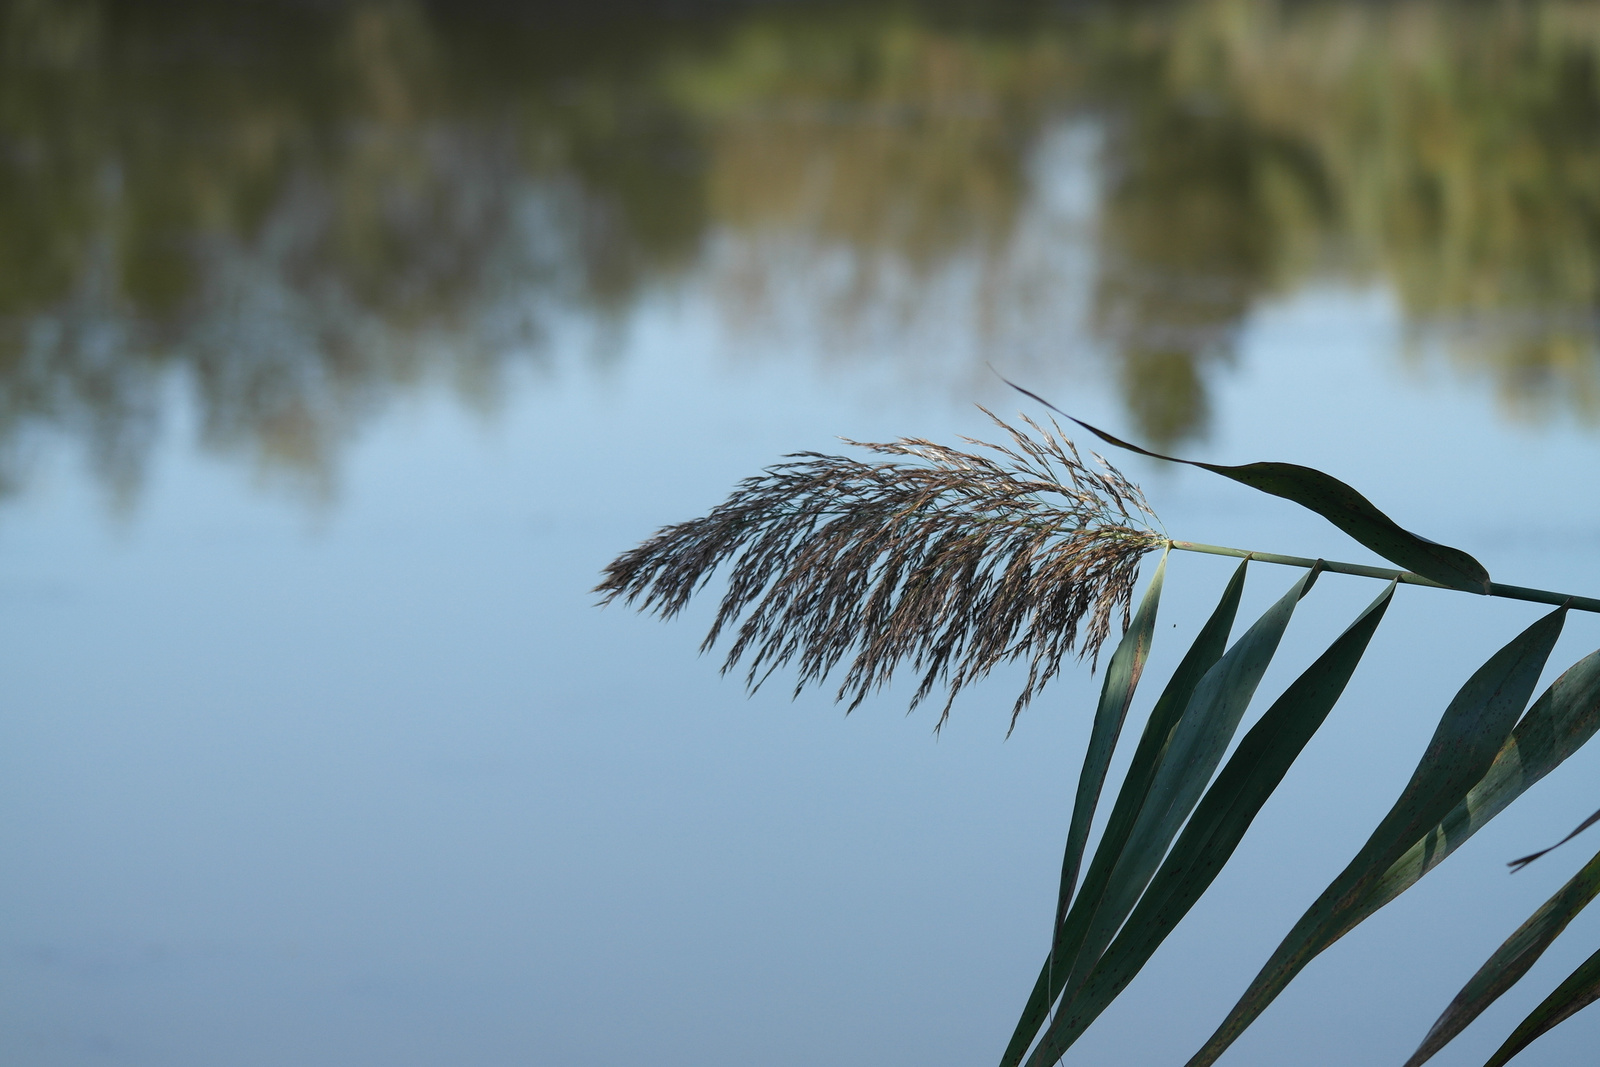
(341, 346)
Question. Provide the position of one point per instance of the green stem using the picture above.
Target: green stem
(1510, 592)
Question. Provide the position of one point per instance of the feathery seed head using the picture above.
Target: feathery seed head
(949, 560)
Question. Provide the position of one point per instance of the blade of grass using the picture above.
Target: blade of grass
(1511, 960)
(1523, 861)
(1207, 648)
(1255, 770)
(1464, 746)
(1192, 751)
(1335, 501)
(1581, 989)
(1198, 742)
(1122, 678)
(1564, 717)
(1560, 722)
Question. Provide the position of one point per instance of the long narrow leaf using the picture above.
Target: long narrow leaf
(1192, 751)
(1337, 502)
(1198, 743)
(1511, 960)
(1116, 694)
(1564, 717)
(1581, 989)
(1469, 736)
(1207, 648)
(1523, 861)
(1219, 824)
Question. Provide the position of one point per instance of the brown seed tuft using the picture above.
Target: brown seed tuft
(952, 562)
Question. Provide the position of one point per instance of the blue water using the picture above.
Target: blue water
(372, 781)
(315, 748)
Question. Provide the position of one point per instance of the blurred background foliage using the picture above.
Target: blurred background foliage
(296, 210)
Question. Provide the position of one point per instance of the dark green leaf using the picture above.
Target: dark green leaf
(1581, 989)
(1469, 737)
(1511, 960)
(1198, 743)
(1116, 694)
(1207, 648)
(1558, 724)
(1192, 750)
(1523, 861)
(1219, 824)
(1337, 502)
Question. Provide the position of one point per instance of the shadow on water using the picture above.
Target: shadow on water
(299, 210)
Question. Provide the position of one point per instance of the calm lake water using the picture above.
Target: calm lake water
(342, 345)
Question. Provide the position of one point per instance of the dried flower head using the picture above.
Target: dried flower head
(951, 561)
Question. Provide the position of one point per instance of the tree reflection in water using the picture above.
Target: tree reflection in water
(300, 210)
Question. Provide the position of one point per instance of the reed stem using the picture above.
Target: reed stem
(1509, 592)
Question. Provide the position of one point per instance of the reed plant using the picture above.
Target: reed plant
(952, 561)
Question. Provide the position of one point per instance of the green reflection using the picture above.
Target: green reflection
(300, 209)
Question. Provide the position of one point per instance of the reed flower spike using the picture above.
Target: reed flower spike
(952, 561)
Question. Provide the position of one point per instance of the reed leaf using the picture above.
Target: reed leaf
(1219, 823)
(1522, 861)
(1469, 737)
(1581, 989)
(1560, 722)
(1337, 502)
(1116, 694)
(1207, 648)
(1196, 747)
(1511, 960)
(1192, 750)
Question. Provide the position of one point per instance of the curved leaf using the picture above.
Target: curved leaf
(1558, 724)
(1335, 501)
(1581, 989)
(1192, 750)
(1219, 824)
(1518, 864)
(1468, 739)
(1198, 742)
(1116, 694)
(1207, 648)
(1511, 960)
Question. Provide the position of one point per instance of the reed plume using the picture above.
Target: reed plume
(952, 561)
